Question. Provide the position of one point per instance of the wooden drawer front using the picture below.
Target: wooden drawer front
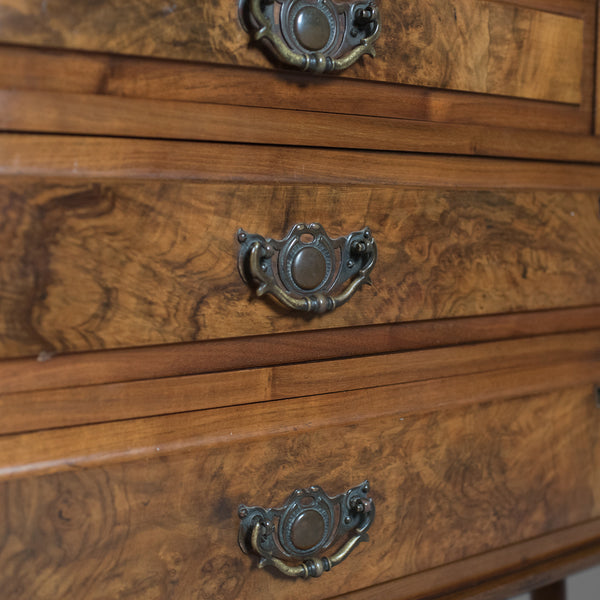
(484, 46)
(148, 508)
(103, 265)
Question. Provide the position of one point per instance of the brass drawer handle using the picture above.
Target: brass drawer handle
(306, 270)
(314, 35)
(306, 525)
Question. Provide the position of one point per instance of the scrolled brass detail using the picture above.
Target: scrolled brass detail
(267, 532)
(344, 31)
(279, 267)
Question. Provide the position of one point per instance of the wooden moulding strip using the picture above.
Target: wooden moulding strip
(49, 112)
(91, 368)
(110, 158)
(498, 574)
(33, 70)
(57, 450)
(30, 411)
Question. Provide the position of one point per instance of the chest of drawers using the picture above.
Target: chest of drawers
(149, 396)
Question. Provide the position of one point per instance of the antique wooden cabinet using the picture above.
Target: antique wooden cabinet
(154, 156)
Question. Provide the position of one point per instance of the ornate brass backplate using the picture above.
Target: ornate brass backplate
(304, 527)
(307, 270)
(313, 35)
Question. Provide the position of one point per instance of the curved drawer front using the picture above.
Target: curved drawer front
(149, 508)
(99, 264)
(483, 46)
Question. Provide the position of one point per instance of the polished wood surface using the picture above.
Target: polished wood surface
(80, 529)
(113, 116)
(31, 69)
(58, 450)
(506, 49)
(50, 371)
(145, 392)
(499, 574)
(108, 265)
(468, 45)
(55, 156)
(544, 358)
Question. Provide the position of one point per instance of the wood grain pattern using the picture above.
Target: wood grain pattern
(112, 116)
(503, 49)
(498, 574)
(49, 371)
(484, 459)
(443, 491)
(468, 45)
(59, 450)
(560, 359)
(85, 158)
(108, 265)
(106, 75)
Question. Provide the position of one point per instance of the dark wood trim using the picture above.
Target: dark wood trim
(552, 591)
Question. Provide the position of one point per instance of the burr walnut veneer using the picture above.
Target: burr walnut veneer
(146, 391)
